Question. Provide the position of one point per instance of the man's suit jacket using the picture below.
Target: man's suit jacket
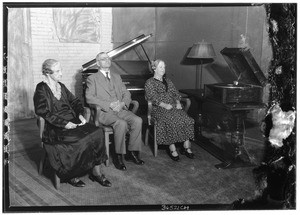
(97, 91)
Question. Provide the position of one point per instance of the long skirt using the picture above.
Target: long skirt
(78, 151)
(173, 126)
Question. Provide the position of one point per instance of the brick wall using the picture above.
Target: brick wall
(46, 44)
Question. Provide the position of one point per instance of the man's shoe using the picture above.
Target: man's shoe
(100, 179)
(75, 182)
(132, 156)
(119, 163)
(185, 151)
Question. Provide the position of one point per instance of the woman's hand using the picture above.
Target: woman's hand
(178, 106)
(82, 119)
(168, 106)
(70, 125)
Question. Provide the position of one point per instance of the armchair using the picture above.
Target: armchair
(108, 130)
(186, 103)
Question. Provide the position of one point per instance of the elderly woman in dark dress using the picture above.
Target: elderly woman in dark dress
(73, 146)
(173, 124)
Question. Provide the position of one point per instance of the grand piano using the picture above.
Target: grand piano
(134, 73)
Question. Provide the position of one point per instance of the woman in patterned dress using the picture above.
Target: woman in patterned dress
(73, 146)
(173, 124)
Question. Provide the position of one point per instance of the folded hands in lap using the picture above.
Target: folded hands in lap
(169, 106)
(117, 106)
(72, 125)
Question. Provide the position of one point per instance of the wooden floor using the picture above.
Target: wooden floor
(197, 182)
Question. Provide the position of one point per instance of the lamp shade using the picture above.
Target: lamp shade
(202, 50)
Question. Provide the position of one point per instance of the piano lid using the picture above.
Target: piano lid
(120, 49)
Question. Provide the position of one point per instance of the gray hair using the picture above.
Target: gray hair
(47, 65)
(155, 63)
(98, 55)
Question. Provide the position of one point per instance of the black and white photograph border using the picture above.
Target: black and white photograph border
(256, 173)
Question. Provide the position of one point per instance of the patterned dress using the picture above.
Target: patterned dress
(173, 125)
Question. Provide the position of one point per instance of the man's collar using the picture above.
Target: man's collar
(104, 72)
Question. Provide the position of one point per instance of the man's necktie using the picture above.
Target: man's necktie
(107, 77)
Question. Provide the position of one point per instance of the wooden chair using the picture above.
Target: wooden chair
(186, 103)
(108, 130)
(41, 125)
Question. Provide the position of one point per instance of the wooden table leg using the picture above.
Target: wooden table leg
(241, 156)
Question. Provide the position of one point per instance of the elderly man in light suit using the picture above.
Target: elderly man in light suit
(106, 89)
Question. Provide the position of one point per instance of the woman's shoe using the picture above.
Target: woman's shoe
(100, 179)
(75, 182)
(174, 158)
(187, 152)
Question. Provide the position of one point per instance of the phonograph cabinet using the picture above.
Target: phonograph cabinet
(226, 105)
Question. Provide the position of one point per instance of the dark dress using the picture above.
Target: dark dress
(172, 125)
(71, 152)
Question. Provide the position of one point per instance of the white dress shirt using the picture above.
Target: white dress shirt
(104, 73)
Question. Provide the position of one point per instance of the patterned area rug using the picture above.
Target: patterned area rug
(159, 182)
